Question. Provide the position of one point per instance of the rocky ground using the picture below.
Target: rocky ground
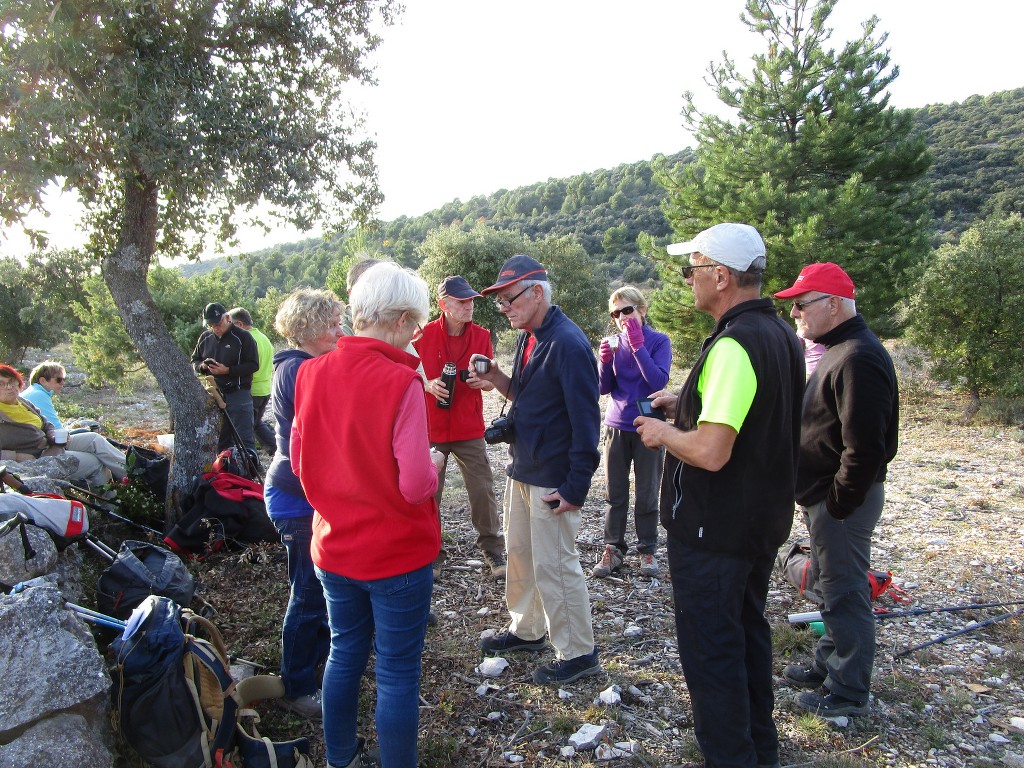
(952, 535)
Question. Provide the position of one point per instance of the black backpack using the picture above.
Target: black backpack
(142, 569)
(174, 699)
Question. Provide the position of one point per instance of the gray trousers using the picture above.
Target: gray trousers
(471, 457)
(841, 550)
(239, 410)
(622, 449)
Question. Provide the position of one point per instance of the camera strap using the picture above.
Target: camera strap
(516, 365)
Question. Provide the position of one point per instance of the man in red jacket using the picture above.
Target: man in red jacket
(458, 427)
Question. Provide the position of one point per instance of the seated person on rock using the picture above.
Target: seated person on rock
(46, 381)
(25, 434)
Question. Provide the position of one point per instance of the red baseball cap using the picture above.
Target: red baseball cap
(825, 277)
(516, 268)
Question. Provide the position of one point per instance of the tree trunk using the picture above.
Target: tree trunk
(195, 417)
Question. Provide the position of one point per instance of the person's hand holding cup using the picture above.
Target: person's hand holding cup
(60, 437)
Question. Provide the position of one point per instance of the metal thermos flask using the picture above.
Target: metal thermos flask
(448, 376)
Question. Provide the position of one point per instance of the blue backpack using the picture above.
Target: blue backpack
(175, 702)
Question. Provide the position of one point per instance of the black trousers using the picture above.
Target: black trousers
(725, 647)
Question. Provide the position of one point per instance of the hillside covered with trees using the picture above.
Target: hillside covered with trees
(977, 169)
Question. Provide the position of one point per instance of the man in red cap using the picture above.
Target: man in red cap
(727, 493)
(849, 431)
(458, 428)
(556, 423)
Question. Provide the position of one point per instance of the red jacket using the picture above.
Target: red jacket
(465, 419)
(341, 449)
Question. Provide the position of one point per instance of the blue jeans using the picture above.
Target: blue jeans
(393, 613)
(306, 635)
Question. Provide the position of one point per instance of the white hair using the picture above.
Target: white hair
(384, 292)
(524, 284)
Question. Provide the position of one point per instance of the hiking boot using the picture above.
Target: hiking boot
(567, 670)
(506, 641)
(438, 563)
(310, 706)
(496, 562)
(803, 676)
(357, 761)
(648, 565)
(611, 560)
(831, 705)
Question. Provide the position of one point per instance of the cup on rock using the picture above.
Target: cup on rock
(60, 437)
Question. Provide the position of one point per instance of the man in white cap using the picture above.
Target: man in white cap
(727, 493)
(850, 429)
(455, 418)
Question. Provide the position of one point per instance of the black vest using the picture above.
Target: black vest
(746, 508)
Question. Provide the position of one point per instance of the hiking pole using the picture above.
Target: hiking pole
(84, 497)
(99, 547)
(249, 461)
(964, 631)
(94, 617)
(806, 618)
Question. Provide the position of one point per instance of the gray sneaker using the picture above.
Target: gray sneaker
(310, 706)
(648, 565)
(611, 560)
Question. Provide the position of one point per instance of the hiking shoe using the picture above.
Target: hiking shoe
(506, 641)
(803, 676)
(310, 706)
(496, 562)
(831, 705)
(648, 565)
(438, 563)
(611, 560)
(567, 670)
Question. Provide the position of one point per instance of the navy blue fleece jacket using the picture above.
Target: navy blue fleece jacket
(556, 412)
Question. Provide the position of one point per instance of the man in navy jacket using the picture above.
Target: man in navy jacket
(556, 426)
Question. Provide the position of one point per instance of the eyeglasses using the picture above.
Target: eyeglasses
(688, 269)
(58, 379)
(9, 385)
(419, 333)
(801, 305)
(507, 303)
(624, 311)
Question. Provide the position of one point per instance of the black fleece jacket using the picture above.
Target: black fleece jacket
(850, 420)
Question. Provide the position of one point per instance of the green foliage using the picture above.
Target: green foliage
(36, 299)
(967, 310)
(102, 348)
(978, 150)
(477, 255)
(816, 160)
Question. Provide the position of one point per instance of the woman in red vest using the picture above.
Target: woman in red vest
(359, 446)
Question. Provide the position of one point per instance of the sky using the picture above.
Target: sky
(474, 96)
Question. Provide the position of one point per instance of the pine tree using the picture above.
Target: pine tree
(817, 160)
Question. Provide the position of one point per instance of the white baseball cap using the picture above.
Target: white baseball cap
(734, 245)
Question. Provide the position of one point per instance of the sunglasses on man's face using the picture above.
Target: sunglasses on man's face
(624, 311)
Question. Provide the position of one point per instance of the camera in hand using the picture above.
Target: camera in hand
(448, 376)
(500, 431)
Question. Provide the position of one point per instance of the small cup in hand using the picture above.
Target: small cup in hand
(481, 365)
(60, 437)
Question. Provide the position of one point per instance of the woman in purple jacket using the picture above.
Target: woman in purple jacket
(634, 364)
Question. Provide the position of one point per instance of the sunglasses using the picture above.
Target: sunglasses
(688, 269)
(801, 305)
(624, 311)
